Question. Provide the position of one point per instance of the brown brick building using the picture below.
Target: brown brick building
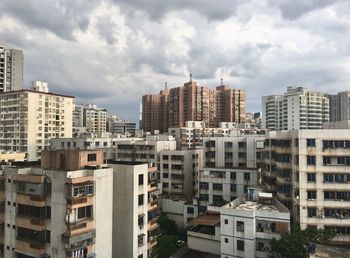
(191, 102)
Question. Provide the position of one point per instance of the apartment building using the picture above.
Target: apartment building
(29, 118)
(216, 186)
(155, 111)
(146, 150)
(249, 223)
(89, 141)
(242, 227)
(120, 127)
(232, 151)
(63, 209)
(191, 102)
(339, 106)
(191, 135)
(308, 170)
(135, 209)
(11, 69)
(178, 169)
(298, 108)
(91, 117)
(6, 157)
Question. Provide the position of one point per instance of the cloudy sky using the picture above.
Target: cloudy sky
(112, 52)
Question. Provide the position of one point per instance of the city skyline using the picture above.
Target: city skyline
(107, 52)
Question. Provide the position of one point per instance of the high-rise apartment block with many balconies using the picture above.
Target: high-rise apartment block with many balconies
(298, 108)
(11, 69)
(63, 209)
(30, 118)
(308, 170)
(191, 102)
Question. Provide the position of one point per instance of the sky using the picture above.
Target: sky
(112, 52)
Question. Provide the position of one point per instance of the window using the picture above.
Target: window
(140, 256)
(327, 161)
(217, 187)
(190, 210)
(140, 239)
(141, 179)
(141, 221)
(141, 199)
(165, 157)
(240, 245)
(226, 221)
(311, 177)
(311, 160)
(204, 185)
(311, 195)
(233, 188)
(311, 212)
(310, 142)
(233, 175)
(85, 212)
(247, 176)
(204, 197)
(226, 240)
(92, 157)
(240, 226)
(165, 175)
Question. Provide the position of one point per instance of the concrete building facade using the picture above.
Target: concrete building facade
(135, 210)
(56, 211)
(308, 170)
(340, 106)
(120, 127)
(11, 69)
(298, 108)
(30, 118)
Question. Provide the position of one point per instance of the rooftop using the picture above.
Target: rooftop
(206, 219)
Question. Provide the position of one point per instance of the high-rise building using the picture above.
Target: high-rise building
(60, 210)
(11, 69)
(299, 108)
(30, 118)
(340, 106)
(191, 102)
(155, 111)
(135, 209)
(308, 170)
(89, 118)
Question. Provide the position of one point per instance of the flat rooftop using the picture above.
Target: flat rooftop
(251, 205)
(207, 219)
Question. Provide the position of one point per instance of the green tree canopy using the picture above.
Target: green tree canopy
(295, 245)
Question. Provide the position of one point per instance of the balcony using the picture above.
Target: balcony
(35, 248)
(35, 179)
(283, 180)
(38, 224)
(80, 228)
(81, 201)
(152, 205)
(80, 180)
(87, 246)
(73, 240)
(152, 187)
(31, 200)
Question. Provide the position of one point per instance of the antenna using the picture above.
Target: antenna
(222, 81)
(190, 77)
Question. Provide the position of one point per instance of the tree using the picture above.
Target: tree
(296, 244)
(167, 245)
(167, 226)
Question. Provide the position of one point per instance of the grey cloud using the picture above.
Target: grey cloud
(158, 8)
(294, 9)
(60, 17)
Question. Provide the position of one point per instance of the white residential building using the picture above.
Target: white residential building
(30, 118)
(135, 209)
(192, 135)
(309, 172)
(90, 117)
(298, 108)
(120, 126)
(217, 186)
(146, 150)
(248, 225)
(11, 69)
